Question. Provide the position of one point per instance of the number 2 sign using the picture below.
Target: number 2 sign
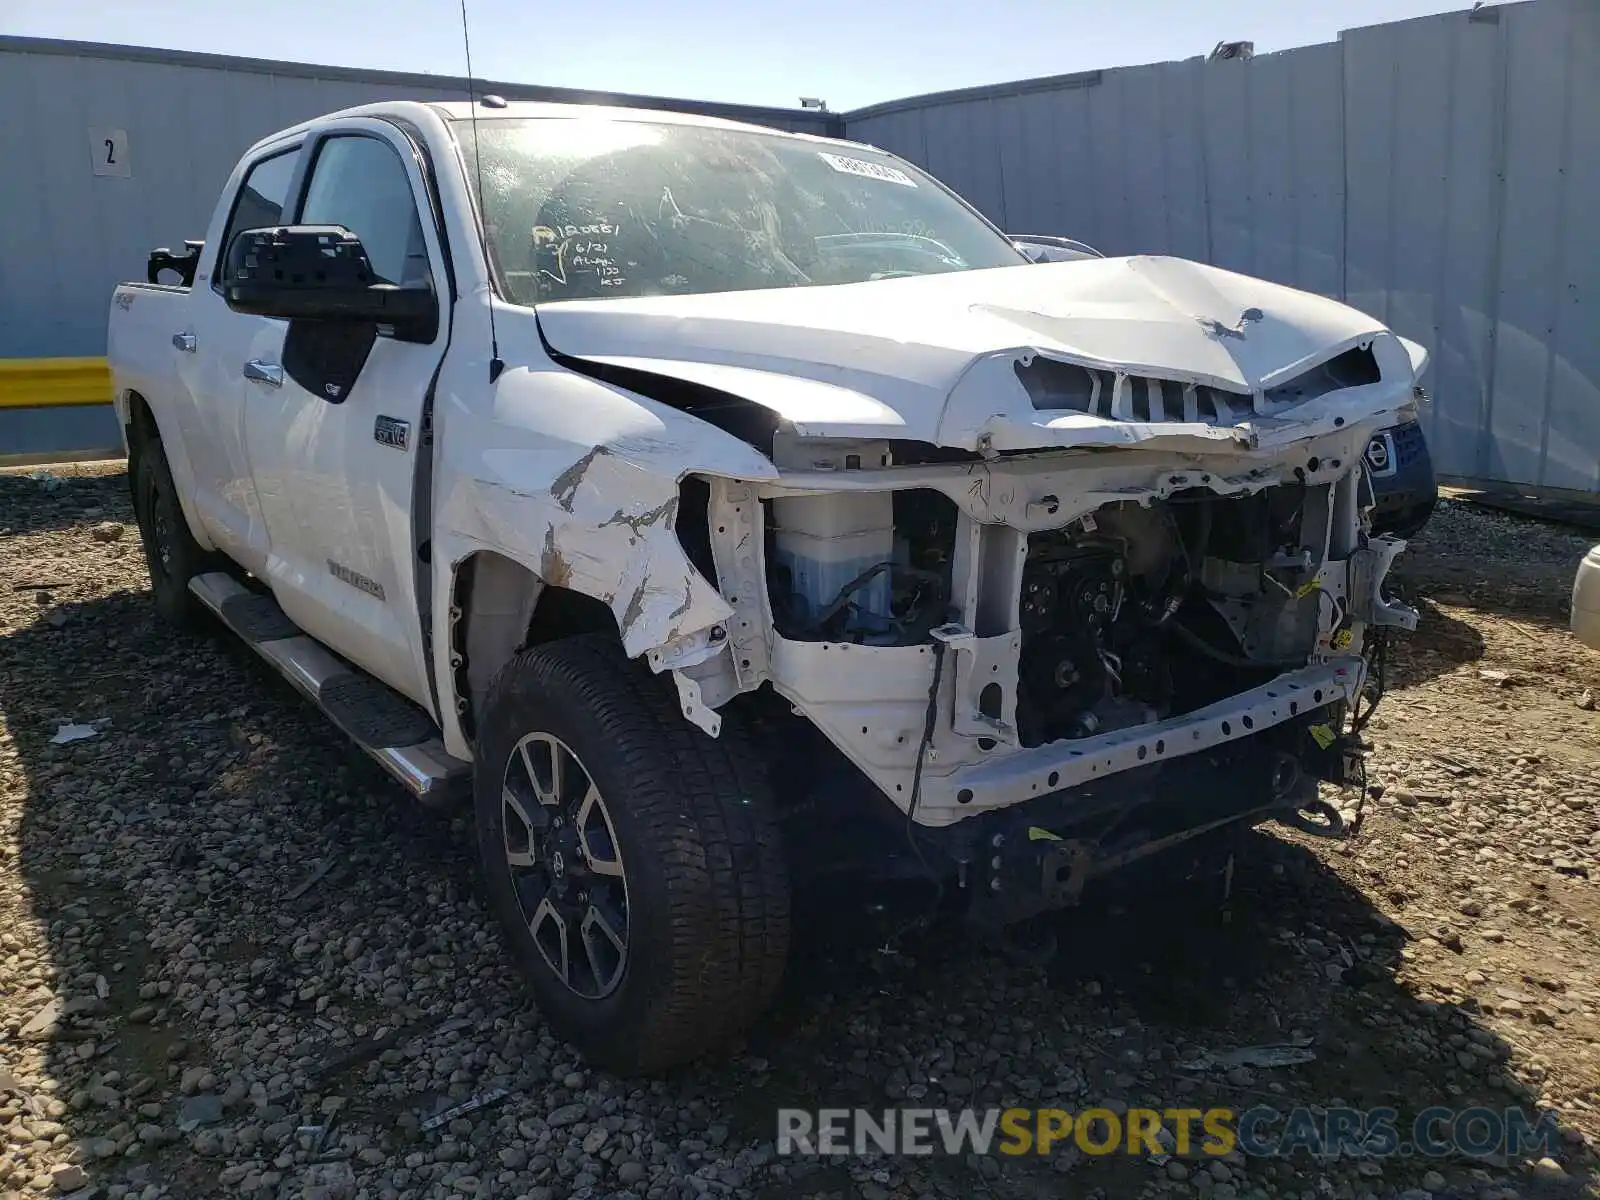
(108, 151)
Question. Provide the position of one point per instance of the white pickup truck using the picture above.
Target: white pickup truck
(726, 504)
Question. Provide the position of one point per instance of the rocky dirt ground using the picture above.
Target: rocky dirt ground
(232, 961)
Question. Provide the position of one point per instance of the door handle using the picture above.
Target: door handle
(185, 342)
(262, 371)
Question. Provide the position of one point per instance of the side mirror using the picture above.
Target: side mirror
(321, 272)
(184, 264)
(1045, 248)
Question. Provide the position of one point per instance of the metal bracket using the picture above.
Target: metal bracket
(1369, 566)
(1065, 870)
(689, 650)
(734, 514)
(978, 663)
(695, 708)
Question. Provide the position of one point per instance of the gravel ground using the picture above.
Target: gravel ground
(234, 961)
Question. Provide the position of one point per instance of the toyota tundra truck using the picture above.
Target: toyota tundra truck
(714, 505)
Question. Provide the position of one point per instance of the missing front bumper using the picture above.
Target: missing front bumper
(1040, 856)
(1030, 774)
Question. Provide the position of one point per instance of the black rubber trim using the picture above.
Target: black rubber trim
(422, 473)
(258, 619)
(373, 714)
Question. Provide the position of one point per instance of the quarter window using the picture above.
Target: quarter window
(260, 202)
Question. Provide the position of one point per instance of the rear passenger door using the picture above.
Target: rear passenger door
(209, 348)
(335, 462)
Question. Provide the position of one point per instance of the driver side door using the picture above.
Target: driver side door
(334, 440)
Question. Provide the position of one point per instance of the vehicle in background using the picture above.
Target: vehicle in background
(1045, 248)
(1403, 485)
(1404, 489)
(717, 505)
(1586, 600)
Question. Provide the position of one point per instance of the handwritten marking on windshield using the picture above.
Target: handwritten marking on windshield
(581, 248)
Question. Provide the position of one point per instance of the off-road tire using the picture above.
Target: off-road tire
(708, 890)
(170, 551)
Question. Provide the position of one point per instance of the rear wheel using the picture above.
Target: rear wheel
(633, 862)
(170, 551)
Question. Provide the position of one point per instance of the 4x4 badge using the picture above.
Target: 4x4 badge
(387, 431)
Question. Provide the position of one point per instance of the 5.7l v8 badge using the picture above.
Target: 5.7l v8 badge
(387, 431)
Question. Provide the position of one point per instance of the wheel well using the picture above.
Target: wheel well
(498, 607)
(562, 612)
(141, 421)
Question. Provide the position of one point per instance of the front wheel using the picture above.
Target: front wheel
(633, 862)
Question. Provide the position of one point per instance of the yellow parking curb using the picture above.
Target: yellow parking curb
(51, 382)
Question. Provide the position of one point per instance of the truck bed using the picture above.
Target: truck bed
(144, 320)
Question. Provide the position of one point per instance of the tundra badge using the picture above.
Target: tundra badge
(355, 579)
(387, 431)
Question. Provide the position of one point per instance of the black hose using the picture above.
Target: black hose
(1193, 565)
(836, 605)
(929, 722)
(1203, 537)
(1376, 662)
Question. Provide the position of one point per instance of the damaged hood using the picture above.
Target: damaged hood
(935, 358)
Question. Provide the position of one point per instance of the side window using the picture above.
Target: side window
(360, 183)
(260, 201)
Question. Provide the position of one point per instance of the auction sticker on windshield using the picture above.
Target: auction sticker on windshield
(867, 170)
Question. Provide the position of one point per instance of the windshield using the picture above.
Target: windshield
(588, 208)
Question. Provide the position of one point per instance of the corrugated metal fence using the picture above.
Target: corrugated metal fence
(1441, 173)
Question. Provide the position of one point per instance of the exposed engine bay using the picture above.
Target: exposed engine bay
(1092, 657)
(1124, 616)
(1128, 615)
(1054, 697)
(976, 634)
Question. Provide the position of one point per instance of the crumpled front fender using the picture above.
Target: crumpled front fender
(578, 481)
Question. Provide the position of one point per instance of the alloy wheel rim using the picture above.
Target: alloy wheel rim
(565, 865)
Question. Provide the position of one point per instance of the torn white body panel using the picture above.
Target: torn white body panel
(577, 481)
(595, 517)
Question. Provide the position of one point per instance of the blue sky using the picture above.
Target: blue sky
(849, 52)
